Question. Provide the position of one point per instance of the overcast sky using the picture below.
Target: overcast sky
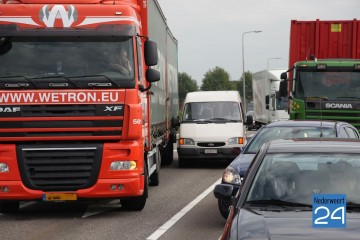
(209, 32)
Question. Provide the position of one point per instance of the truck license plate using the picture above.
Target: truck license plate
(210, 151)
(59, 197)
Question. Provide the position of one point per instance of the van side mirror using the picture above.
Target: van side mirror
(249, 120)
(151, 55)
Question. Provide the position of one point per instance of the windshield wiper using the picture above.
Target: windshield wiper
(316, 98)
(100, 77)
(352, 206)
(348, 97)
(279, 202)
(57, 77)
(224, 119)
(17, 85)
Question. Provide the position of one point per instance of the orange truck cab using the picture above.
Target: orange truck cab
(73, 127)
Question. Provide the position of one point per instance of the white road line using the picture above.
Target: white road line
(166, 226)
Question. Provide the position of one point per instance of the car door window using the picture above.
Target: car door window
(351, 132)
(343, 133)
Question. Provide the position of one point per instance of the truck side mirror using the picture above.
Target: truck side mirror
(249, 120)
(267, 101)
(283, 88)
(151, 55)
(152, 75)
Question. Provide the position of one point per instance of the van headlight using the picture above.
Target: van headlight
(236, 140)
(231, 176)
(186, 141)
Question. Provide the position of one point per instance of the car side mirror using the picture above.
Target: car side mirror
(223, 191)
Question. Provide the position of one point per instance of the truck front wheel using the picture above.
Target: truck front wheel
(137, 203)
(9, 207)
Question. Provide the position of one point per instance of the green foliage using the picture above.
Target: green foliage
(186, 84)
(217, 79)
(248, 86)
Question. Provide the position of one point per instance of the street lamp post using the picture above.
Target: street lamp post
(243, 66)
(268, 60)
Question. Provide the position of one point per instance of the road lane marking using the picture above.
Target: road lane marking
(166, 226)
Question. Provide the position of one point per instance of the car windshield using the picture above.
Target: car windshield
(269, 133)
(200, 111)
(294, 177)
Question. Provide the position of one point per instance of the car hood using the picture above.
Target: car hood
(287, 225)
(241, 163)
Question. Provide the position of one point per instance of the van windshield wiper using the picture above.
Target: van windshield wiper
(224, 119)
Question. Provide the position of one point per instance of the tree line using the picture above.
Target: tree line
(215, 79)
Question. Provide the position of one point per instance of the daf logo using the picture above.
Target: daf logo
(211, 144)
(9, 109)
(339, 105)
(112, 108)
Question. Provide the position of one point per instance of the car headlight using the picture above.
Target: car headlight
(231, 176)
(236, 140)
(186, 141)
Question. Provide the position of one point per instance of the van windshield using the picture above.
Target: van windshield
(204, 111)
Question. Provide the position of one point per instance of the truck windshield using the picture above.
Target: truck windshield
(330, 85)
(80, 59)
(214, 111)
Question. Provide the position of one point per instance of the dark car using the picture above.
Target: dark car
(235, 172)
(283, 197)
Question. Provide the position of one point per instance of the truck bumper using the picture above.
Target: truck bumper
(130, 187)
(200, 153)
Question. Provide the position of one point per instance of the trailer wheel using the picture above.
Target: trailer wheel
(9, 207)
(137, 203)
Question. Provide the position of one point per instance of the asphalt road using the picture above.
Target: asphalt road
(175, 203)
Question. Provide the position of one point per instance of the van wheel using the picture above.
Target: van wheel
(9, 207)
(183, 163)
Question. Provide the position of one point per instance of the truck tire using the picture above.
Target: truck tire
(167, 154)
(9, 207)
(154, 178)
(137, 203)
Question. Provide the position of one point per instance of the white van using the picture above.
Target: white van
(212, 126)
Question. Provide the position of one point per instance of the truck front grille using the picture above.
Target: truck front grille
(61, 167)
(211, 144)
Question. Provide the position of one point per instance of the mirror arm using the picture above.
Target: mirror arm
(143, 89)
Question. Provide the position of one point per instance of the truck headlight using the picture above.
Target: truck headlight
(4, 167)
(122, 165)
(231, 176)
(236, 140)
(186, 141)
